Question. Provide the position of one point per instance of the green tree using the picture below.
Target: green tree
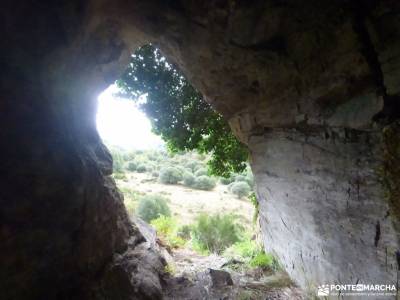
(178, 112)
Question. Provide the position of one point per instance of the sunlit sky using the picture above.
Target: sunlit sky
(122, 124)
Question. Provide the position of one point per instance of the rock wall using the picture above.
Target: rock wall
(323, 207)
(64, 230)
(311, 87)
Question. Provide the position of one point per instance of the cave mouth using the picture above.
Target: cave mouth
(327, 175)
(195, 219)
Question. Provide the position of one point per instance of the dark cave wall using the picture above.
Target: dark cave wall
(64, 230)
(312, 88)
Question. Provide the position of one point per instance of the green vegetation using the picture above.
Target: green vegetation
(166, 228)
(130, 199)
(184, 232)
(120, 176)
(252, 254)
(240, 177)
(179, 113)
(151, 207)
(214, 233)
(246, 248)
(141, 168)
(201, 172)
(132, 166)
(218, 233)
(170, 175)
(188, 179)
(226, 181)
(240, 189)
(262, 260)
(204, 183)
(254, 201)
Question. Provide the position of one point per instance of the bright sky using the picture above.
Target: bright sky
(121, 123)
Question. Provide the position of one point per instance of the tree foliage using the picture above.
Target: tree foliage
(178, 112)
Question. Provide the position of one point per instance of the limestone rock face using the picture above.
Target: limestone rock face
(312, 87)
(323, 206)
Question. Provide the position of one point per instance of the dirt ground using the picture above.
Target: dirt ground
(186, 203)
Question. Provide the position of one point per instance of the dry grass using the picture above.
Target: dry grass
(186, 203)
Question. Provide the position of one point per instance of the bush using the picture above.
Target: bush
(214, 233)
(151, 207)
(204, 183)
(239, 178)
(164, 225)
(240, 189)
(188, 179)
(192, 165)
(252, 254)
(132, 166)
(201, 172)
(166, 228)
(226, 181)
(141, 168)
(181, 169)
(262, 260)
(243, 249)
(184, 232)
(170, 175)
(155, 174)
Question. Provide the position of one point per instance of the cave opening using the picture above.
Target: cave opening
(197, 218)
(318, 113)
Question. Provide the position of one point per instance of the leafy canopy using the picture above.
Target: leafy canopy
(178, 112)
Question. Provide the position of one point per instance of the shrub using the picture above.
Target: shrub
(181, 169)
(201, 172)
(262, 260)
(150, 207)
(192, 165)
(204, 183)
(170, 175)
(239, 178)
(141, 168)
(188, 179)
(164, 225)
(184, 232)
(226, 181)
(240, 189)
(166, 228)
(252, 254)
(215, 233)
(243, 249)
(132, 166)
(155, 174)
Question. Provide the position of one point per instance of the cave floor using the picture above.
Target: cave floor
(216, 277)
